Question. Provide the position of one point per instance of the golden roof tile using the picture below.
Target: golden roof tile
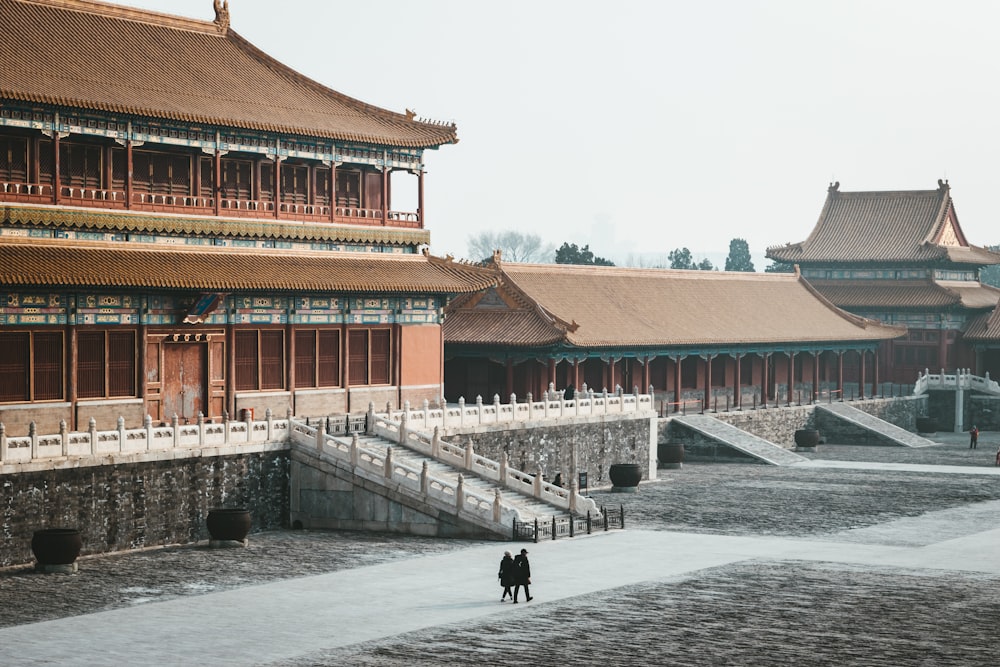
(102, 57)
(59, 264)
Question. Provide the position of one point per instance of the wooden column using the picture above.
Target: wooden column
(333, 196)
(385, 196)
(576, 374)
(645, 375)
(816, 376)
(708, 384)
(765, 360)
(56, 170)
(875, 378)
(552, 373)
(861, 374)
(217, 183)
(677, 383)
(290, 364)
(277, 186)
(738, 389)
(840, 373)
(420, 202)
(509, 379)
(71, 393)
(791, 377)
(230, 368)
(346, 366)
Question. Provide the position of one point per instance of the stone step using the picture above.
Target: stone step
(729, 435)
(871, 423)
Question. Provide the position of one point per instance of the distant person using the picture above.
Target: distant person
(558, 480)
(506, 575)
(522, 575)
(569, 393)
(973, 437)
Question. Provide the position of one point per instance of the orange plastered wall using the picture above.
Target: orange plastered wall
(420, 347)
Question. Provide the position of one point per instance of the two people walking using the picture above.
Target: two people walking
(515, 572)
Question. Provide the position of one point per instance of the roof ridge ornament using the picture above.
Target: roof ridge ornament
(834, 187)
(221, 15)
(943, 185)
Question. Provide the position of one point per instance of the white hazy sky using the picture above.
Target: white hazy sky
(640, 127)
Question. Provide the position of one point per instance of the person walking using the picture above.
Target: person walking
(973, 437)
(506, 575)
(522, 575)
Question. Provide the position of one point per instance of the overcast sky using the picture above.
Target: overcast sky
(640, 127)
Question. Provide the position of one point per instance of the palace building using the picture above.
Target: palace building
(900, 257)
(697, 338)
(189, 227)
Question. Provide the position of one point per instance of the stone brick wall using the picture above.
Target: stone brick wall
(617, 439)
(17, 418)
(135, 505)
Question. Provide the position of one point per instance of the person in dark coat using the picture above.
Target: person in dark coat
(973, 437)
(522, 574)
(506, 575)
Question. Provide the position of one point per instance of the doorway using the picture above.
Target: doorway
(184, 386)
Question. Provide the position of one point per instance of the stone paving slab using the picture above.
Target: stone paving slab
(721, 565)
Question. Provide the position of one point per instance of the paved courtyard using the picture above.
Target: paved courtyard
(863, 556)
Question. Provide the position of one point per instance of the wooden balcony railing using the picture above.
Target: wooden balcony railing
(72, 195)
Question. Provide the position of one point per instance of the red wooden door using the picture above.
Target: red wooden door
(184, 375)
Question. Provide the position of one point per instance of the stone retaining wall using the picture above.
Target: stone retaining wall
(140, 504)
(627, 438)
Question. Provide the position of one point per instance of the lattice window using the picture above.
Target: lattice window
(317, 358)
(305, 358)
(260, 360)
(47, 360)
(207, 177)
(14, 159)
(46, 155)
(14, 368)
(294, 184)
(348, 188)
(237, 181)
(370, 356)
(105, 364)
(267, 181)
(322, 187)
(119, 168)
(329, 358)
(80, 165)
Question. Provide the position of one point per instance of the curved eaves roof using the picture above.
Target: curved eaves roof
(610, 306)
(90, 55)
(61, 265)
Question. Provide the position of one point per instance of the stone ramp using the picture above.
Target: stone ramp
(747, 443)
(878, 429)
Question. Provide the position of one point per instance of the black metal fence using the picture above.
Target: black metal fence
(568, 526)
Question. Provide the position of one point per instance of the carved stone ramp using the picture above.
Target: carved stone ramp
(875, 430)
(729, 435)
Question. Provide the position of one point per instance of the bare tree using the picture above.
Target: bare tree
(514, 246)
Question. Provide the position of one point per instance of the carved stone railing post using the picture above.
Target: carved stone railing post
(321, 434)
(574, 495)
(387, 471)
(497, 506)
(545, 405)
(121, 433)
(3, 441)
(269, 416)
(604, 395)
(436, 443)
(248, 415)
(460, 493)
(64, 437)
(503, 468)
(427, 409)
(201, 429)
(496, 408)
(354, 449)
(468, 455)
(530, 406)
(538, 483)
(175, 423)
(479, 409)
(461, 410)
(147, 423)
(92, 430)
(33, 434)
(513, 407)
(225, 424)
(425, 482)
(404, 427)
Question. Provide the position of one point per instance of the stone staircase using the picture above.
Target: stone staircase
(870, 427)
(527, 508)
(730, 436)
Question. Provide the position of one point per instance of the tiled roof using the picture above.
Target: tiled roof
(984, 327)
(92, 55)
(55, 264)
(885, 227)
(907, 293)
(624, 307)
(517, 328)
(151, 223)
